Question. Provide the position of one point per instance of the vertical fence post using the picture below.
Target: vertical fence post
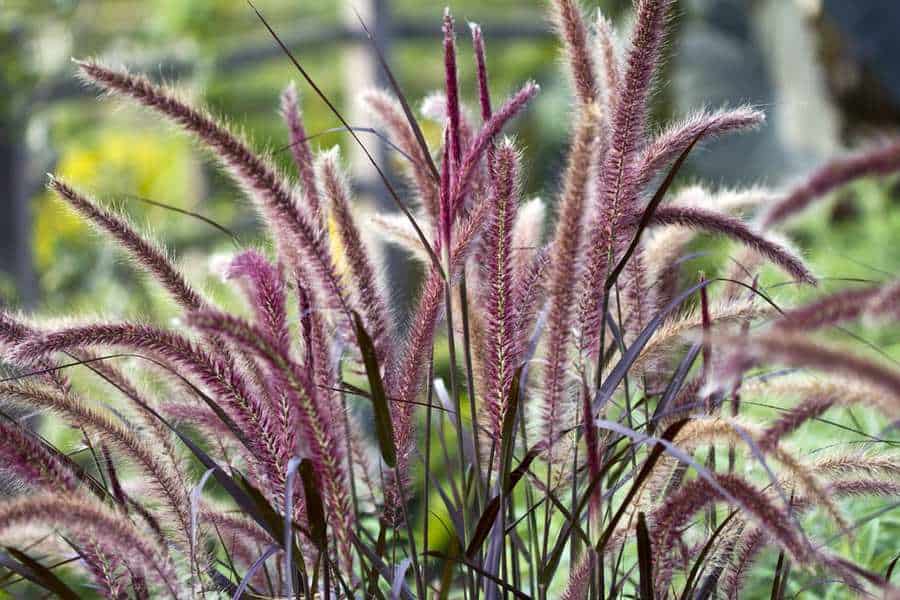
(362, 71)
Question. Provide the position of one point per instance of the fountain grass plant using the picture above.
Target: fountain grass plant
(593, 438)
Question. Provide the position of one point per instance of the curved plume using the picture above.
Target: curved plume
(147, 255)
(168, 486)
(217, 374)
(368, 294)
(715, 222)
(111, 532)
(274, 199)
(880, 160)
(29, 460)
(670, 143)
(791, 349)
(834, 309)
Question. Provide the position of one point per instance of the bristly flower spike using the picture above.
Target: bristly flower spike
(303, 158)
(570, 23)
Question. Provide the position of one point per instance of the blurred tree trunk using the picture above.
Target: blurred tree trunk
(15, 224)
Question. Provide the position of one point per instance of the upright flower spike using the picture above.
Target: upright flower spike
(389, 111)
(303, 158)
(570, 24)
(618, 175)
(563, 271)
(610, 61)
(452, 88)
(502, 340)
(316, 433)
(266, 291)
(484, 94)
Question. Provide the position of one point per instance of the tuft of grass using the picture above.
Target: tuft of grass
(577, 448)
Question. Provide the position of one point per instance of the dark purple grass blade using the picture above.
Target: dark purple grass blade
(30, 569)
(383, 425)
(645, 559)
(251, 571)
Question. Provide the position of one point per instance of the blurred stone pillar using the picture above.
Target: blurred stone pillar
(732, 52)
(15, 223)
(362, 71)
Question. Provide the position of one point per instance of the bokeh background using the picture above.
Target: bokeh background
(827, 72)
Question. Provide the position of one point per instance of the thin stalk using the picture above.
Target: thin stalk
(457, 406)
(428, 414)
(470, 388)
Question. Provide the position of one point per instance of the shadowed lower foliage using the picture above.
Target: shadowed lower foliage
(592, 439)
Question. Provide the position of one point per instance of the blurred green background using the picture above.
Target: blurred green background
(816, 66)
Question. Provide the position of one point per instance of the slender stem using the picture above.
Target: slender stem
(428, 414)
(470, 387)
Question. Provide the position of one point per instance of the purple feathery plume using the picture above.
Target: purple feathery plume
(368, 294)
(618, 176)
(315, 422)
(680, 507)
(273, 196)
(886, 303)
(606, 37)
(579, 583)
(30, 461)
(452, 88)
(791, 349)
(145, 253)
(266, 292)
(300, 151)
(834, 309)
(484, 94)
(669, 144)
(476, 149)
(880, 160)
(502, 341)
(734, 228)
(216, 373)
(406, 373)
(569, 21)
(791, 420)
(12, 332)
(109, 530)
(445, 211)
(563, 270)
(168, 486)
